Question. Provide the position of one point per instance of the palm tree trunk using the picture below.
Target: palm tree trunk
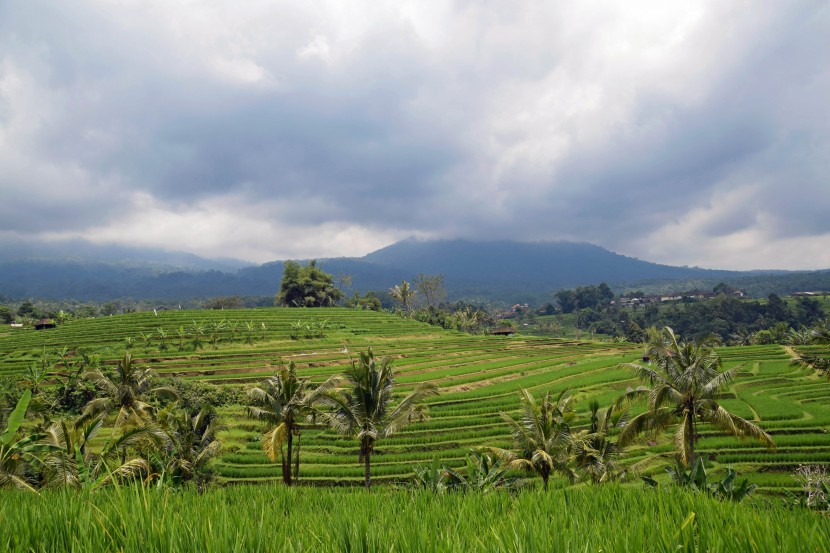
(367, 473)
(365, 450)
(297, 465)
(286, 462)
(692, 437)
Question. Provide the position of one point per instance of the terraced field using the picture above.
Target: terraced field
(479, 377)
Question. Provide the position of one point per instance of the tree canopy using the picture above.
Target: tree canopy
(307, 286)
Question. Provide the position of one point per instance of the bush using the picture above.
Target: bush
(198, 395)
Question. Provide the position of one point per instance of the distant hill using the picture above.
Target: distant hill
(498, 270)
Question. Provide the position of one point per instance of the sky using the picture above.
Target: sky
(688, 133)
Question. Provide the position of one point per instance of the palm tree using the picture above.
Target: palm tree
(686, 383)
(284, 402)
(403, 293)
(126, 393)
(364, 410)
(16, 455)
(191, 442)
(595, 453)
(819, 334)
(543, 436)
(73, 464)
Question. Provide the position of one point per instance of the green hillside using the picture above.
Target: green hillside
(479, 377)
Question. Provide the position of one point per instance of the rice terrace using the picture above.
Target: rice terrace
(406, 276)
(478, 378)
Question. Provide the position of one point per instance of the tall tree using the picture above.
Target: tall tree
(431, 288)
(686, 383)
(285, 401)
(364, 408)
(307, 286)
(542, 436)
(126, 393)
(403, 293)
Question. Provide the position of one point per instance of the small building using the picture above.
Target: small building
(503, 331)
(43, 324)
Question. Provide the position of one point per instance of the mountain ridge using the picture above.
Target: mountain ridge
(498, 270)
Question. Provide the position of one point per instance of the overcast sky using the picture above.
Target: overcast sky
(689, 133)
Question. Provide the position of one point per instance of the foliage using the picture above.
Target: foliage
(307, 286)
(189, 445)
(73, 464)
(696, 478)
(126, 393)
(403, 293)
(17, 454)
(815, 484)
(363, 408)
(285, 402)
(543, 436)
(484, 472)
(687, 382)
(584, 297)
(432, 477)
(369, 301)
(431, 288)
(596, 454)
(198, 395)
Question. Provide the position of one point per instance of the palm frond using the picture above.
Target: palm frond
(711, 389)
(400, 416)
(650, 421)
(738, 426)
(273, 441)
(683, 440)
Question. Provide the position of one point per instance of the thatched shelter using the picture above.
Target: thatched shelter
(44, 324)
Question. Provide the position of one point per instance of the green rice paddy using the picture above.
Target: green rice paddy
(479, 377)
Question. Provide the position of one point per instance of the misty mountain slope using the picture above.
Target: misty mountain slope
(555, 264)
(499, 270)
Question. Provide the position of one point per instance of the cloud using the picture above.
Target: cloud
(268, 130)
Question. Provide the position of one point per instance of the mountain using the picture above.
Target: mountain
(496, 270)
(554, 264)
(84, 252)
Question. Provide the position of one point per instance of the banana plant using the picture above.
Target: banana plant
(17, 454)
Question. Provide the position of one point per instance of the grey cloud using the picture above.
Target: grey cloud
(387, 136)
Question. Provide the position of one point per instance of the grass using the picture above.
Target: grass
(274, 518)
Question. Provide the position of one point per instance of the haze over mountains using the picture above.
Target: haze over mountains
(497, 270)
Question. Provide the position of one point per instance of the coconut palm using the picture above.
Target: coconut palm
(285, 402)
(404, 294)
(73, 464)
(687, 381)
(543, 436)
(364, 409)
(596, 454)
(819, 334)
(125, 394)
(190, 444)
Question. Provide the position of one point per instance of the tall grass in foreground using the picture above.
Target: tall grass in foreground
(263, 518)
